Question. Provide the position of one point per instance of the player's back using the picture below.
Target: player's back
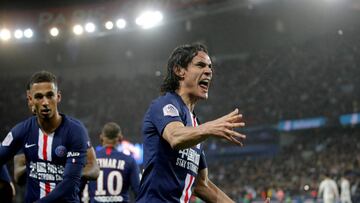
(118, 172)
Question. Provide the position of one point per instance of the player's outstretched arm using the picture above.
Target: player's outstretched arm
(91, 170)
(181, 137)
(208, 191)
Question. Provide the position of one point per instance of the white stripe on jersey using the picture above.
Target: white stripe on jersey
(41, 143)
(43, 188)
(186, 194)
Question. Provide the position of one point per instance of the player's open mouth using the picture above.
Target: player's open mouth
(204, 84)
(45, 111)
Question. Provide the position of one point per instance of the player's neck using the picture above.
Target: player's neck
(187, 99)
(50, 125)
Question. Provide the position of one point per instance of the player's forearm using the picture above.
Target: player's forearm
(211, 193)
(91, 171)
(66, 188)
(184, 137)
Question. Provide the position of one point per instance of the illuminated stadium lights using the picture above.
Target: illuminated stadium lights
(90, 27)
(121, 23)
(149, 19)
(54, 32)
(109, 25)
(18, 34)
(28, 33)
(5, 34)
(78, 29)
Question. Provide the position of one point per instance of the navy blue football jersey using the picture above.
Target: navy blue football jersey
(118, 172)
(53, 161)
(4, 174)
(169, 174)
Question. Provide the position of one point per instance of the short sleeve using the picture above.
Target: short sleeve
(164, 112)
(77, 145)
(12, 143)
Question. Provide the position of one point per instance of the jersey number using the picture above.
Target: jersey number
(113, 179)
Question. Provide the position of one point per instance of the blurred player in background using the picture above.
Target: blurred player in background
(328, 190)
(118, 171)
(345, 195)
(54, 145)
(174, 158)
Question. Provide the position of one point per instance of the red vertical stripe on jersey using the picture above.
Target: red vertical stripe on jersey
(47, 188)
(108, 151)
(44, 152)
(187, 196)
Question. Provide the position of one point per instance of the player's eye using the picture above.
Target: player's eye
(38, 96)
(50, 95)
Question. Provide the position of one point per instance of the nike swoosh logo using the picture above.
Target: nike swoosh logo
(29, 145)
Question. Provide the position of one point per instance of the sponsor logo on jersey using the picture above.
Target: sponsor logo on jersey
(170, 110)
(73, 154)
(29, 145)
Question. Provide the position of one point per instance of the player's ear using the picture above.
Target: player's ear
(58, 96)
(179, 71)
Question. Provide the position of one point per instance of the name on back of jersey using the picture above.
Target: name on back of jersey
(111, 163)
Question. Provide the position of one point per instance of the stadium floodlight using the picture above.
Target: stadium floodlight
(28, 33)
(109, 25)
(90, 27)
(149, 19)
(121, 23)
(54, 31)
(78, 29)
(18, 34)
(5, 34)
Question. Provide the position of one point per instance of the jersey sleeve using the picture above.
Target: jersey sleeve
(12, 143)
(202, 162)
(164, 112)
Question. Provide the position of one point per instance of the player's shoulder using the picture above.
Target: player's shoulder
(25, 124)
(169, 101)
(72, 122)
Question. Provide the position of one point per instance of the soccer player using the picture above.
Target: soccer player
(328, 190)
(174, 158)
(118, 171)
(54, 145)
(89, 172)
(345, 195)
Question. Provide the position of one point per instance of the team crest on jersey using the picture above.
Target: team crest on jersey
(8, 139)
(170, 110)
(60, 151)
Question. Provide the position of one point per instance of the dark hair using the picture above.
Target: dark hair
(181, 56)
(42, 76)
(111, 130)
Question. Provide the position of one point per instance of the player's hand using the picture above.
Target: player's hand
(267, 200)
(224, 127)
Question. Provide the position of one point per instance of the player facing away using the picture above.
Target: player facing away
(328, 189)
(118, 171)
(174, 159)
(54, 145)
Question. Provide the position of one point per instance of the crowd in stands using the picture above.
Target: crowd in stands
(302, 162)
